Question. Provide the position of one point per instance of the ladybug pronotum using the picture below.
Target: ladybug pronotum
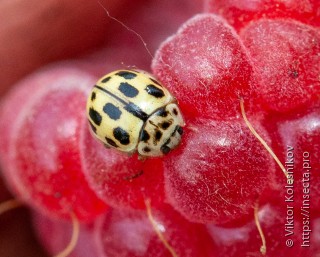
(131, 111)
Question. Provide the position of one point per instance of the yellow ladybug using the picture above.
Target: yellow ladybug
(131, 111)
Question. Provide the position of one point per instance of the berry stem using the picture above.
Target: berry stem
(74, 238)
(264, 143)
(156, 229)
(9, 205)
(263, 248)
(128, 28)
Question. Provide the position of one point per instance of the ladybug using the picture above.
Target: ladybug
(131, 111)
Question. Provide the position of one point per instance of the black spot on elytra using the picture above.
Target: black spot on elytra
(126, 74)
(175, 112)
(155, 82)
(136, 111)
(93, 96)
(146, 149)
(112, 111)
(154, 91)
(105, 80)
(111, 142)
(165, 149)
(144, 136)
(158, 135)
(128, 90)
(95, 116)
(93, 128)
(121, 135)
(162, 112)
(165, 125)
